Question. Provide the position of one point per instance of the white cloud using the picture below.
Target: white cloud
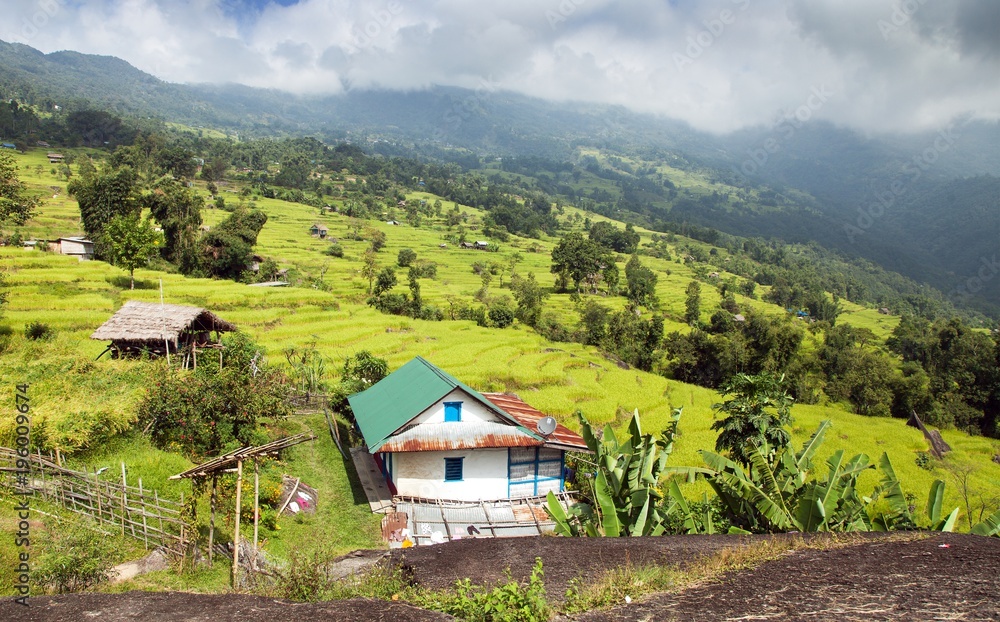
(891, 65)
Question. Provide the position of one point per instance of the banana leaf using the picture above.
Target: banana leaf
(989, 527)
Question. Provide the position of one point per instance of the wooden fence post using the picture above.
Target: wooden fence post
(142, 508)
(124, 499)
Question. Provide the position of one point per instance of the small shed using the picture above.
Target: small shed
(78, 247)
(318, 230)
(8, 145)
(158, 329)
(55, 158)
(482, 244)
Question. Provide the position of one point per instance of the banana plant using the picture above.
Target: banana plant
(624, 499)
(781, 493)
(989, 527)
(900, 515)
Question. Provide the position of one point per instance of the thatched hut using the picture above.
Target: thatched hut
(157, 329)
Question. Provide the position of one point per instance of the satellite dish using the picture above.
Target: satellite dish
(546, 426)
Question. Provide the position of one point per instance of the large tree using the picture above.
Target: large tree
(178, 210)
(228, 249)
(641, 283)
(130, 242)
(102, 195)
(16, 206)
(579, 259)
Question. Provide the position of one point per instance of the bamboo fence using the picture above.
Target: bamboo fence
(133, 511)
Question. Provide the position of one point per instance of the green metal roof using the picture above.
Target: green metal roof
(397, 399)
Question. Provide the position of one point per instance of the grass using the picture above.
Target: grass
(86, 407)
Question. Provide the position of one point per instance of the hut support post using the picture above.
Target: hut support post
(256, 505)
(211, 519)
(236, 532)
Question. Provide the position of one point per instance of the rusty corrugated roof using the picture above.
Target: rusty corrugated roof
(458, 435)
(563, 437)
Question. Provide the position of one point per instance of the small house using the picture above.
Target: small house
(713, 275)
(55, 158)
(318, 231)
(8, 145)
(884, 311)
(434, 437)
(155, 328)
(467, 245)
(44, 144)
(394, 223)
(739, 317)
(81, 248)
(482, 245)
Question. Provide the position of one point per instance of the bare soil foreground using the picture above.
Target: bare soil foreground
(940, 577)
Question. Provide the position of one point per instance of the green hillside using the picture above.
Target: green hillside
(81, 405)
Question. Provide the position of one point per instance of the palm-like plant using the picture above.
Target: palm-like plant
(754, 416)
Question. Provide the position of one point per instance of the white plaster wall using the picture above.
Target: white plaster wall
(421, 474)
(472, 410)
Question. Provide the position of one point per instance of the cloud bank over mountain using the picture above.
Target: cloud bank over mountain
(880, 65)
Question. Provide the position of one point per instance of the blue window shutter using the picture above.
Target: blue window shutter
(453, 411)
(453, 469)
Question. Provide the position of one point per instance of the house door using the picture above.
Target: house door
(533, 471)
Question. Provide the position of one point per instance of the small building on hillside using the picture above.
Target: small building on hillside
(79, 247)
(156, 329)
(56, 158)
(434, 437)
(318, 230)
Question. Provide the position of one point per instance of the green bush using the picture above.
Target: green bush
(335, 250)
(406, 257)
(501, 313)
(211, 410)
(38, 331)
(6, 333)
(74, 559)
(507, 602)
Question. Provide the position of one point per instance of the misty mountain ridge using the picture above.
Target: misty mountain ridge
(925, 204)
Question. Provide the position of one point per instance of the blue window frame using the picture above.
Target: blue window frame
(530, 469)
(453, 469)
(453, 411)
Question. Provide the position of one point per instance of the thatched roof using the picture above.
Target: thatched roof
(151, 321)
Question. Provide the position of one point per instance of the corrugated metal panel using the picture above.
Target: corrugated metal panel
(529, 417)
(431, 521)
(453, 435)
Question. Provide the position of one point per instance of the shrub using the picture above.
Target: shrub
(6, 333)
(501, 313)
(74, 559)
(506, 602)
(425, 269)
(406, 257)
(212, 409)
(38, 331)
(335, 250)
